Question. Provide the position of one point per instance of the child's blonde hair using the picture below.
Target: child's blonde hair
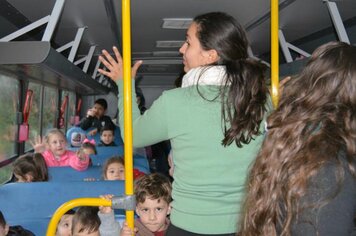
(54, 132)
(111, 160)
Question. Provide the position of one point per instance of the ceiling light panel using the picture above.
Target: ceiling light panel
(169, 44)
(176, 23)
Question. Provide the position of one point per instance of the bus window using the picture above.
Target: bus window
(34, 118)
(9, 91)
(50, 106)
(70, 108)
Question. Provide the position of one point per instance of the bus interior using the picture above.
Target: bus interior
(51, 48)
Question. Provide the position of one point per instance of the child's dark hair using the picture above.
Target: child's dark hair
(114, 159)
(89, 145)
(32, 164)
(153, 186)
(70, 212)
(87, 219)
(2, 220)
(107, 127)
(102, 102)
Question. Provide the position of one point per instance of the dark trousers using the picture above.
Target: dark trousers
(175, 231)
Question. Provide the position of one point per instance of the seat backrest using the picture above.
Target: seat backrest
(23, 201)
(66, 173)
(110, 151)
(33, 204)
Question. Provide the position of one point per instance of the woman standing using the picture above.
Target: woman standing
(213, 122)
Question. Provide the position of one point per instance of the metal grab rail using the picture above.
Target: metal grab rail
(51, 231)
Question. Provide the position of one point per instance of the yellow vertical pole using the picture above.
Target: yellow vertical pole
(274, 52)
(126, 45)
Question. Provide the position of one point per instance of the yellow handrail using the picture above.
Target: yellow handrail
(274, 52)
(126, 42)
(70, 205)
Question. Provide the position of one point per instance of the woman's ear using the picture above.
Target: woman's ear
(213, 56)
(210, 56)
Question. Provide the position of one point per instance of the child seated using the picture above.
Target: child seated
(107, 136)
(114, 169)
(6, 230)
(86, 222)
(88, 147)
(96, 118)
(64, 227)
(30, 167)
(55, 153)
(153, 198)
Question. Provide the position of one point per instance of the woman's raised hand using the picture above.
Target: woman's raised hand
(115, 66)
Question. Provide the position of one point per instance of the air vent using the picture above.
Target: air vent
(166, 53)
(176, 23)
(169, 44)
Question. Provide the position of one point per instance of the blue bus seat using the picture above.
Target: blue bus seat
(37, 226)
(36, 202)
(110, 151)
(77, 130)
(69, 174)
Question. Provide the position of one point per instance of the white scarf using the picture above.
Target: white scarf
(214, 75)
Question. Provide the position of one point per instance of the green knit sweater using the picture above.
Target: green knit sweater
(209, 179)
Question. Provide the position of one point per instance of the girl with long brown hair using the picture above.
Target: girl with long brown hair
(303, 181)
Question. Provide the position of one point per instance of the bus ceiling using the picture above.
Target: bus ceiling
(62, 39)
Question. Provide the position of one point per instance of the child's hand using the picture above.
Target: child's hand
(38, 144)
(93, 132)
(126, 230)
(91, 112)
(81, 155)
(105, 209)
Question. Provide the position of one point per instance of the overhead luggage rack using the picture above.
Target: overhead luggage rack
(39, 61)
(36, 60)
